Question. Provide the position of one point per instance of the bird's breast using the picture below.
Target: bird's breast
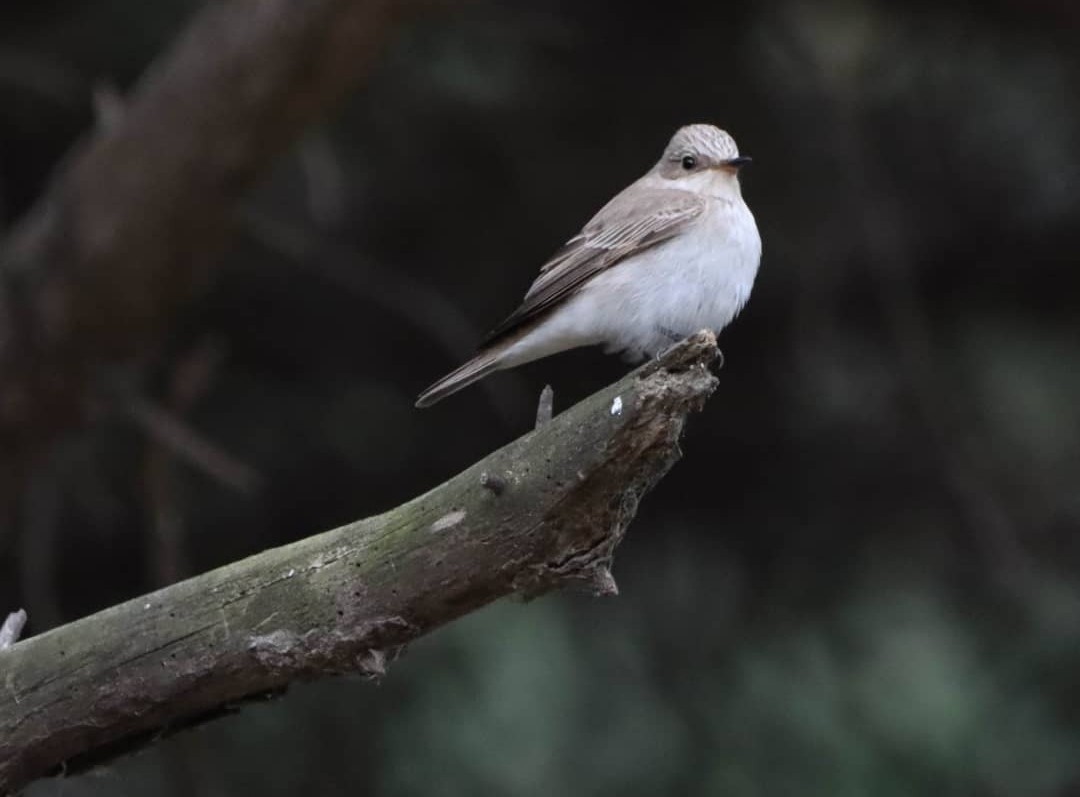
(699, 279)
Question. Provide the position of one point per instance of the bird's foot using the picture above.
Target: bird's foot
(672, 336)
(669, 333)
(660, 354)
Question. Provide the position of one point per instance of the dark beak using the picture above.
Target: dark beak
(739, 162)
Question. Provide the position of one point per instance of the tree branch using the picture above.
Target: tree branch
(132, 221)
(12, 629)
(346, 601)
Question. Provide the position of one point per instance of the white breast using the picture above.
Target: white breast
(698, 280)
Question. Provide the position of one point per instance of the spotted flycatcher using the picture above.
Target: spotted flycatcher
(674, 252)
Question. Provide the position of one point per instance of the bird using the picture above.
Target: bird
(674, 252)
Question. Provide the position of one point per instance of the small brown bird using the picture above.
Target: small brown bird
(674, 252)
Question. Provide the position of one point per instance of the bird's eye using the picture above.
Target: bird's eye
(689, 162)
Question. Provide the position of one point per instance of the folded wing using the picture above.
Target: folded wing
(630, 223)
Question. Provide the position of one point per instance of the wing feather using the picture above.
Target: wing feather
(635, 220)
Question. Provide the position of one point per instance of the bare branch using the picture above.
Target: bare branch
(12, 628)
(132, 222)
(186, 443)
(325, 181)
(418, 303)
(348, 600)
(545, 407)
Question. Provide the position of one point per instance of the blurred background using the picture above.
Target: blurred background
(863, 576)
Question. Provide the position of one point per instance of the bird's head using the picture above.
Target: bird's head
(702, 158)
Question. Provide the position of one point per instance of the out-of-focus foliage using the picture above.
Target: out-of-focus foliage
(862, 577)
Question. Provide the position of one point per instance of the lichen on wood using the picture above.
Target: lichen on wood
(350, 599)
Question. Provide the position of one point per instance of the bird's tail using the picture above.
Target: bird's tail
(474, 370)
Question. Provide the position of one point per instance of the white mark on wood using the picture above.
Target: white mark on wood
(291, 573)
(272, 648)
(616, 406)
(146, 606)
(449, 520)
(329, 557)
(265, 620)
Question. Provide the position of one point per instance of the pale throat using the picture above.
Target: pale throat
(714, 183)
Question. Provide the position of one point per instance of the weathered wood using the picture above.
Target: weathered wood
(545, 510)
(12, 628)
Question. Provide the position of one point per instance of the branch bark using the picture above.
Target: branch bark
(131, 223)
(346, 601)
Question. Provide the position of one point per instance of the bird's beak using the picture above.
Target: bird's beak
(737, 163)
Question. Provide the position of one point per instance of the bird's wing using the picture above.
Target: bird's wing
(632, 222)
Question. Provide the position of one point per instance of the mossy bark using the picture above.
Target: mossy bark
(543, 511)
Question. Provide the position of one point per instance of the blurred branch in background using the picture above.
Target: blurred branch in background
(170, 438)
(183, 441)
(324, 180)
(418, 303)
(131, 224)
(44, 77)
(541, 513)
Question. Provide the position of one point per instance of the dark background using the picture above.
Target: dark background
(862, 577)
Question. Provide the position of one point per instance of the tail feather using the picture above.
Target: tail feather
(473, 371)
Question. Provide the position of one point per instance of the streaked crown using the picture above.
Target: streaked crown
(701, 141)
